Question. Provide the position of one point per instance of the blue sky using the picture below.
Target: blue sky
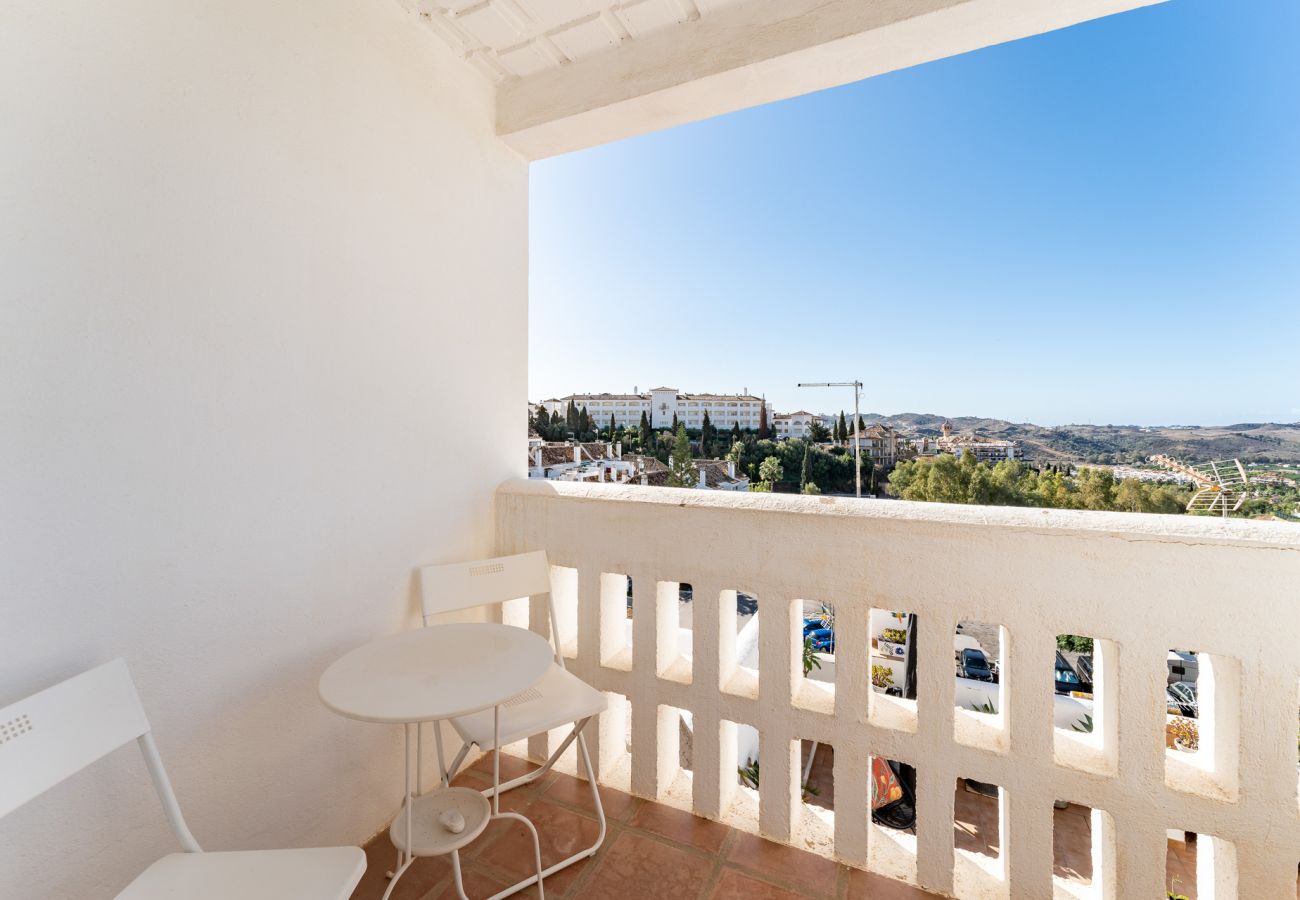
(1101, 224)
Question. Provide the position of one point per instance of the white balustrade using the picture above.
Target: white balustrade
(1138, 584)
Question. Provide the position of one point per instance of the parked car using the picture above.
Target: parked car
(1067, 679)
(1181, 699)
(1182, 667)
(823, 639)
(975, 665)
(1084, 667)
(746, 604)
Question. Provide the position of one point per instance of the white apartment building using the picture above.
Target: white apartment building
(661, 404)
(984, 449)
(793, 425)
(881, 442)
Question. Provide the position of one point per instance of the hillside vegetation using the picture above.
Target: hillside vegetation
(1265, 442)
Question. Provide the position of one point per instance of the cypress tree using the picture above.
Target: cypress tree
(584, 421)
(706, 437)
(674, 423)
(804, 471)
(682, 472)
(612, 426)
(735, 433)
(762, 420)
(844, 429)
(647, 435)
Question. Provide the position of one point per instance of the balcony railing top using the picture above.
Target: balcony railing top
(1198, 529)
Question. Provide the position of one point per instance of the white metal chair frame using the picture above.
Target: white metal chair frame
(49, 736)
(461, 586)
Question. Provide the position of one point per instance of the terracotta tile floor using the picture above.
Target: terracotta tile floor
(656, 852)
(652, 852)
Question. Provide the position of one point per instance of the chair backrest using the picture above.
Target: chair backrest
(50, 736)
(477, 583)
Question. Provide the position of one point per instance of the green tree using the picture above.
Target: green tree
(803, 469)
(762, 420)
(981, 487)
(647, 435)
(584, 421)
(1096, 489)
(674, 423)
(811, 488)
(843, 429)
(664, 442)
(681, 470)
(818, 432)
(735, 432)
(706, 437)
(770, 472)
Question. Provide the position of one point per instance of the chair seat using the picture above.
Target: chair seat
(321, 873)
(558, 699)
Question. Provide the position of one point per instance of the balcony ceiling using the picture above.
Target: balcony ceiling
(573, 73)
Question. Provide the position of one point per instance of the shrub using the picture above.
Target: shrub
(1182, 731)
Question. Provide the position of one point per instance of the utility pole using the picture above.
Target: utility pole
(857, 438)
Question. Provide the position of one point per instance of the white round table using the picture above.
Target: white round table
(427, 675)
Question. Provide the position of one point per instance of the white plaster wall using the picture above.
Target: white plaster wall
(247, 252)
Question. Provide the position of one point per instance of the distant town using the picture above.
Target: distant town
(665, 437)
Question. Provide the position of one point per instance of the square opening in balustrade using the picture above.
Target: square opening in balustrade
(977, 663)
(674, 747)
(817, 778)
(676, 624)
(615, 639)
(891, 841)
(740, 771)
(739, 642)
(1182, 702)
(978, 691)
(564, 604)
(609, 741)
(1200, 866)
(1083, 703)
(1083, 851)
(977, 818)
(979, 827)
(1202, 723)
(814, 637)
(894, 659)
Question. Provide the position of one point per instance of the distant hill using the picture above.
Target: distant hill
(1265, 442)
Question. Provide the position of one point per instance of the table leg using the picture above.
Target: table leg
(405, 857)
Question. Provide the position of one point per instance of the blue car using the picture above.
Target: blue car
(823, 639)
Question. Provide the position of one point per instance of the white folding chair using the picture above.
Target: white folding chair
(559, 699)
(56, 733)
